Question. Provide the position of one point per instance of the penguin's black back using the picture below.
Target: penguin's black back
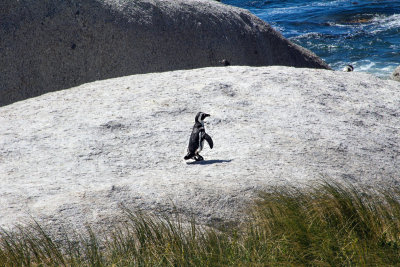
(194, 137)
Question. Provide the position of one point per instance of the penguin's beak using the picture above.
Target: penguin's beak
(206, 115)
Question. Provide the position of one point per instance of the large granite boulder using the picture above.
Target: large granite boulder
(76, 155)
(55, 44)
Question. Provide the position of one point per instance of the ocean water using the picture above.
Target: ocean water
(365, 34)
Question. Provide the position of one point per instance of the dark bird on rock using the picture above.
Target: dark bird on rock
(225, 62)
(348, 68)
(197, 138)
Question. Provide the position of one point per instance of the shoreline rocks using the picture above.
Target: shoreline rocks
(396, 74)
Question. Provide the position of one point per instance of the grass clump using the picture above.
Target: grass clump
(328, 225)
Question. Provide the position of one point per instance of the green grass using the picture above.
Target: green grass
(328, 225)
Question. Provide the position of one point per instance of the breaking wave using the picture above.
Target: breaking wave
(365, 34)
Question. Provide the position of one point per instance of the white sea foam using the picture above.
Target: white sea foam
(330, 3)
(364, 65)
(282, 10)
(340, 25)
(302, 8)
(377, 24)
(309, 35)
(383, 23)
(379, 69)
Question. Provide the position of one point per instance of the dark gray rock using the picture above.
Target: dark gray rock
(55, 44)
(396, 74)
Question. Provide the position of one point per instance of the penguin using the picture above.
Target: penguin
(197, 138)
(348, 68)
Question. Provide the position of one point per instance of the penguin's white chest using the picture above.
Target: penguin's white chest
(201, 142)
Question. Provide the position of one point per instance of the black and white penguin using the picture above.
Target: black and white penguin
(348, 68)
(197, 138)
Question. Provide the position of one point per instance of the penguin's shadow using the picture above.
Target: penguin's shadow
(208, 162)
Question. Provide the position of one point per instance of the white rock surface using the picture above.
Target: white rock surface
(75, 155)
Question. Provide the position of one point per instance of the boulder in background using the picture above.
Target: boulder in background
(56, 44)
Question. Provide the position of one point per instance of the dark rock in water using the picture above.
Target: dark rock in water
(51, 45)
(396, 74)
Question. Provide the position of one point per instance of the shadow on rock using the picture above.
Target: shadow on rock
(208, 162)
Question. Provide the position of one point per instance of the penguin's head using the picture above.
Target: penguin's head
(201, 116)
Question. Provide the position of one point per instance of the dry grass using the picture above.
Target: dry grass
(328, 225)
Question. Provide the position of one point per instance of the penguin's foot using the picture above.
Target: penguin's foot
(198, 158)
(189, 156)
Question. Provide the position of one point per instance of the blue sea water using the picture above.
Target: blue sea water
(365, 34)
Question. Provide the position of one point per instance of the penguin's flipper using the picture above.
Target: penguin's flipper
(209, 140)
